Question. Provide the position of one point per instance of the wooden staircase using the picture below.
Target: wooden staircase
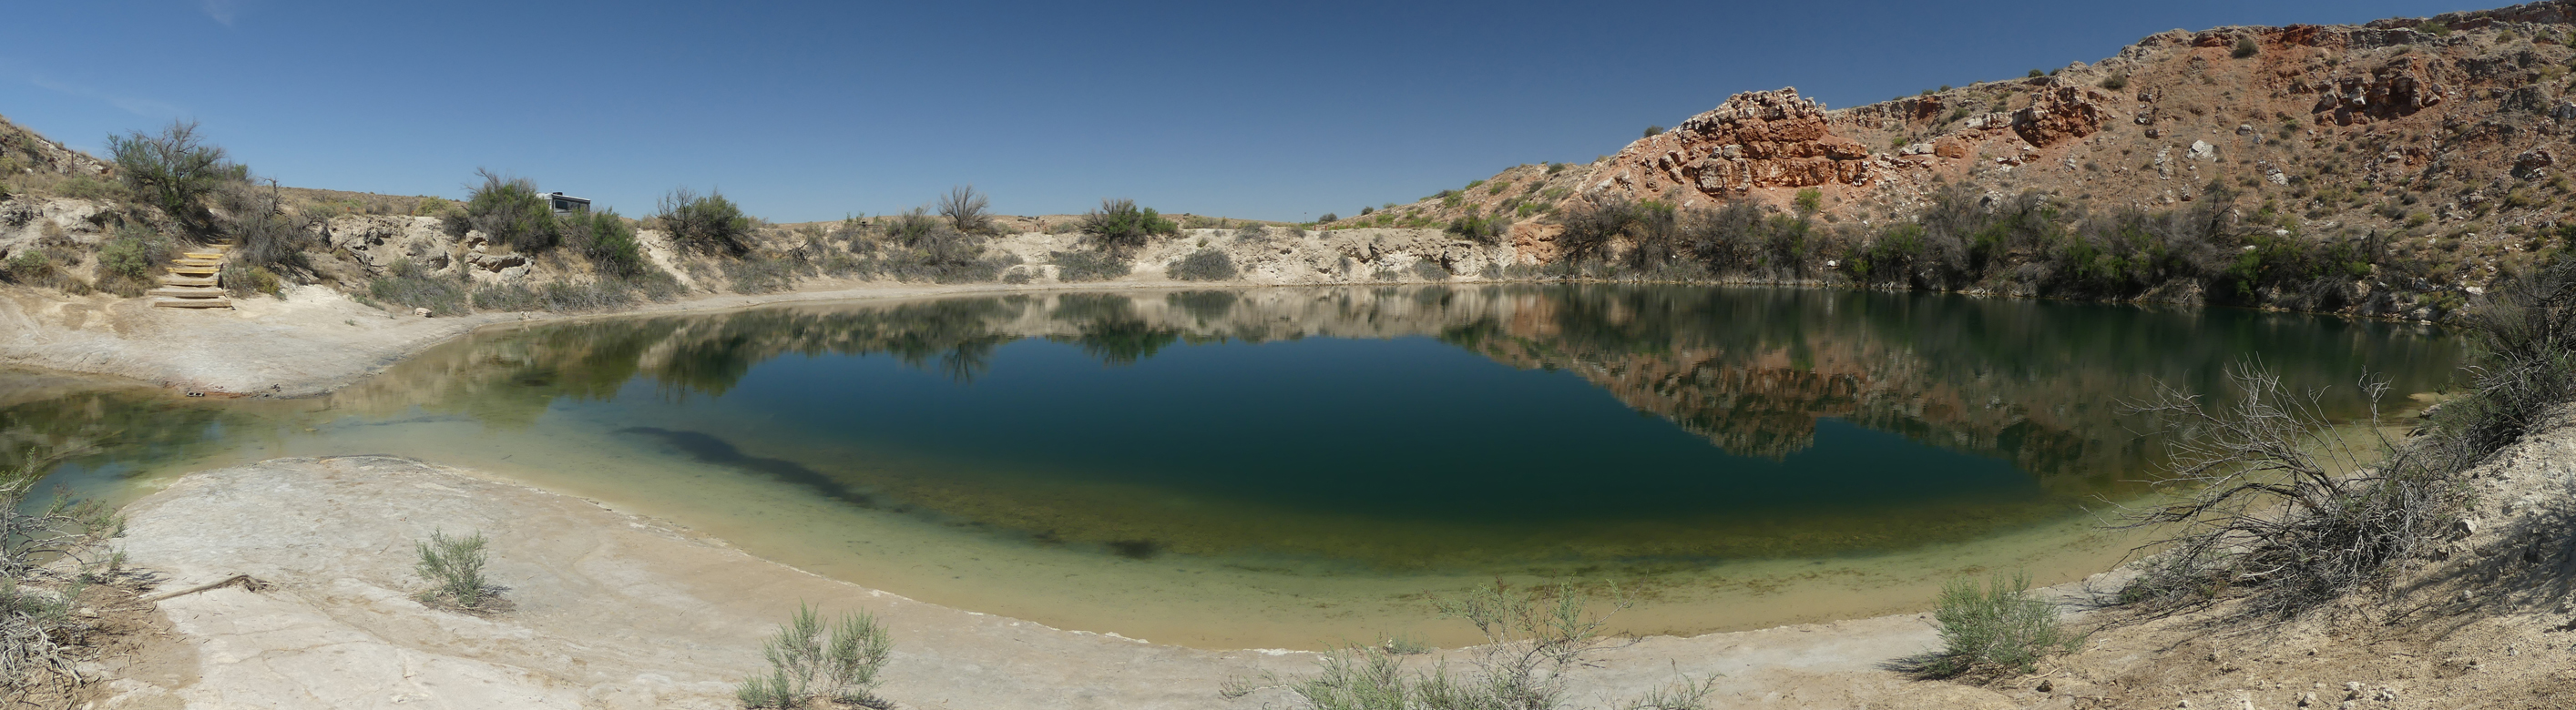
(193, 280)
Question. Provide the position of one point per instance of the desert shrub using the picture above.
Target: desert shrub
(759, 273)
(1255, 233)
(2526, 339)
(127, 262)
(49, 552)
(1087, 265)
(263, 234)
(1809, 201)
(91, 188)
(1328, 217)
(172, 169)
(1533, 637)
(1997, 630)
(917, 246)
(2115, 82)
(1477, 227)
(1203, 265)
(408, 286)
(244, 281)
(431, 207)
(2281, 505)
(1591, 224)
(29, 265)
(1122, 227)
(610, 244)
(1652, 131)
(2245, 47)
(574, 297)
(510, 212)
(966, 210)
(1430, 270)
(454, 566)
(706, 224)
(806, 665)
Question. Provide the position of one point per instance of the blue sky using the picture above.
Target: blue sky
(810, 111)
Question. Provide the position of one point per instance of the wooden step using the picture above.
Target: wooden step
(189, 281)
(194, 270)
(198, 262)
(187, 292)
(193, 302)
(202, 254)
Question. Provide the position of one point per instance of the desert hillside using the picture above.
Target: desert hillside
(2383, 169)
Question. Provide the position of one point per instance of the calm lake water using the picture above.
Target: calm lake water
(1294, 467)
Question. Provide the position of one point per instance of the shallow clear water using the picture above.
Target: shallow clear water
(1289, 467)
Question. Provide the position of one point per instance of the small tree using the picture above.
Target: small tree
(706, 224)
(1120, 226)
(1809, 201)
(805, 666)
(1652, 131)
(966, 210)
(171, 170)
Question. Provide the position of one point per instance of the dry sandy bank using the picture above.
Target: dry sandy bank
(618, 611)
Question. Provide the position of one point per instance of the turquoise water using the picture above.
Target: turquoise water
(1233, 450)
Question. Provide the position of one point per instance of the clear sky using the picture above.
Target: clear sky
(810, 111)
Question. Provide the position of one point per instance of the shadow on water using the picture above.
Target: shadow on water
(709, 449)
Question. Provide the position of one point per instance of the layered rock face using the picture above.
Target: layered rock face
(1755, 140)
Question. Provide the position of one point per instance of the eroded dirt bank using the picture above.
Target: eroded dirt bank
(617, 611)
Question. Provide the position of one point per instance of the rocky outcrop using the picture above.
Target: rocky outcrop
(2397, 89)
(1760, 139)
(2061, 112)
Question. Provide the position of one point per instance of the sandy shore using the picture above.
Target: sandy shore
(316, 340)
(618, 611)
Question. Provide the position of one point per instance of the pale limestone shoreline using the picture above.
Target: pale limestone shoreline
(618, 611)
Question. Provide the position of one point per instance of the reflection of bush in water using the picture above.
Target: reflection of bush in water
(1206, 306)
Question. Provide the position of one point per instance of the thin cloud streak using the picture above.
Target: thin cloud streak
(224, 11)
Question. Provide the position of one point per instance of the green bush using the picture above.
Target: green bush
(1119, 226)
(708, 224)
(510, 212)
(806, 665)
(2245, 47)
(127, 262)
(1087, 265)
(1809, 201)
(170, 170)
(264, 235)
(1475, 226)
(1203, 265)
(1652, 131)
(1997, 630)
(610, 244)
(455, 566)
(2115, 82)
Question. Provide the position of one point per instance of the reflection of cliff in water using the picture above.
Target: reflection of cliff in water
(1751, 370)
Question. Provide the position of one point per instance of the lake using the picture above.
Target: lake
(1295, 467)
